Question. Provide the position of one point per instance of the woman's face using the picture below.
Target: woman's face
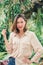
(21, 23)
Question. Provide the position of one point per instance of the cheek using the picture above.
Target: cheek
(18, 25)
(23, 24)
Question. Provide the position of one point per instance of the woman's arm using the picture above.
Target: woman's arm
(8, 45)
(37, 48)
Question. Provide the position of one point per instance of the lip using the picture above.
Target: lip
(20, 27)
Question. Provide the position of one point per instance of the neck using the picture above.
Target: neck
(21, 33)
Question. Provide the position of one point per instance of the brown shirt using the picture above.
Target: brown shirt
(24, 46)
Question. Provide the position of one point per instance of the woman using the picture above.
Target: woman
(21, 43)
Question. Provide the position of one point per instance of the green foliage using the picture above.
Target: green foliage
(10, 10)
(39, 25)
(0, 5)
(36, 24)
(27, 4)
(2, 55)
(2, 46)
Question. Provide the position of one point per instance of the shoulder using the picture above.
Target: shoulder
(30, 32)
(12, 34)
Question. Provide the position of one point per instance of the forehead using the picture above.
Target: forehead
(20, 19)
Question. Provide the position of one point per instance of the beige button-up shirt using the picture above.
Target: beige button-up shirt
(24, 46)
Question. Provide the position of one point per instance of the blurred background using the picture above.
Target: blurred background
(33, 11)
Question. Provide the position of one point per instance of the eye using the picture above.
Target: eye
(18, 22)
(21, 21)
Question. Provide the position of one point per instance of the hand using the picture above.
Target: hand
(26, 60)
(35, 61)
(4, 32)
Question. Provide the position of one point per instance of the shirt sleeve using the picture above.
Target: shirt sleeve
(10, 38)
(9, 48)
(13, 46)
(38, 49)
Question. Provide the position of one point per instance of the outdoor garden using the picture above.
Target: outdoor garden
(33, 11)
